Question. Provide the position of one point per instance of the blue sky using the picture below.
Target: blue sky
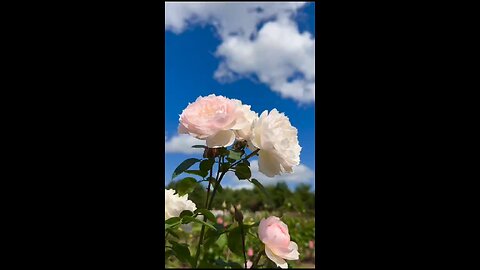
(264, 58)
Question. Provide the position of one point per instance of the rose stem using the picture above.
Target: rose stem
(243, 243)
(258, 259)
(202, 232)
(217, 183)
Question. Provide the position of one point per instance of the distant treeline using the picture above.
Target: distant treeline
(280, 197)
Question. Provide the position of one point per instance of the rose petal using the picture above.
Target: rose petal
(290, 253)
(262, 227)
(278, 260)
(268, 164)
(221, 139)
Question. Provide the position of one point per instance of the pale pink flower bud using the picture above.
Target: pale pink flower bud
(250, 252)
(278, 247)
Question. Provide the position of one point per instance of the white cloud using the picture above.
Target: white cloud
(277, 54)
(228, 18)
(301, 174)
(241, 185)
(183, 144)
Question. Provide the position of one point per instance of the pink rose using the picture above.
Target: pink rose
(216, 119)
(278, 247)
(311, 245)
(249, 264)
(219, 220)
(250, 252)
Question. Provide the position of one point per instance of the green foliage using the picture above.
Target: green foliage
(200, 173)
(186, 213)
(172, 222)
(277, 197)
(242, 171)
(182, 252)
(186, 185)
(235, 155)
(222, 243)
(184, 166)
(206, 165)
(206, 213)
(235, 241)
(188, 219)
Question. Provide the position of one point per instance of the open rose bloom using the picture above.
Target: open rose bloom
(175, 204)
(278, 247)
(277, 140)
(217, 119)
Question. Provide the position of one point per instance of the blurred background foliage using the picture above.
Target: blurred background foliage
(280, 198)
(296, 208)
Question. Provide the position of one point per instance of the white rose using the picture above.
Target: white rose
(174, 204)
(277, 140)
(245, 120)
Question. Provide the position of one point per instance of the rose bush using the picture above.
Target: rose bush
(224, 122)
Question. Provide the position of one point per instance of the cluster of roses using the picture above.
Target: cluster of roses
(221, 121)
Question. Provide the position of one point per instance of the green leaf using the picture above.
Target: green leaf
(173, 233)
(186, 220)
(214, 183)
(172, 222)
(235, 241)
(186, 185)
(206, 165)
(211, 180)
(242, 171)
(197, 172)
(182, 253)
(259, 186)
(220, 188)
(211, 237)
(199, 146)
(169, 253)
(246, 162)
(235, 155)
(206, 213)
(184, 166)
(224, 167)
(186, 213)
